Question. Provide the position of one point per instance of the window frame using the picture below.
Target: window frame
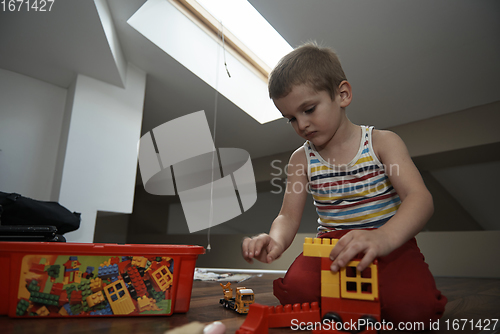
(208, 23)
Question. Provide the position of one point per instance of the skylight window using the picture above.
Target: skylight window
(245, 31)
(246, 23)
(252, 46)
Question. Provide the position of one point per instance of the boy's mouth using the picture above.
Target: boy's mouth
(310, 134)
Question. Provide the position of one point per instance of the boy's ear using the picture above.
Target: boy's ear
(345, 92)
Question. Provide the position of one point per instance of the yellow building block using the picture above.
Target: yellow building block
(330, 278)
(330, 290)
(162, 277)
(42, 311)
(96, 284)
(318, 247)
(147, 304)
(62, 311)
(119, 298)
(143, 303)
(95, 299)
(78, 277)
(358, 280)
(139, 261)
(330, 284)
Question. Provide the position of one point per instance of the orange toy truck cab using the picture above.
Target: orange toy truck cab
(244, 298)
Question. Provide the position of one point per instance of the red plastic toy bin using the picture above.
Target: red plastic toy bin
(94, 280)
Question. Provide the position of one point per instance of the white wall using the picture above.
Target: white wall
(112, 37)
(31, 116)
(100, 161)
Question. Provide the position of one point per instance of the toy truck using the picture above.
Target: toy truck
(240, 303)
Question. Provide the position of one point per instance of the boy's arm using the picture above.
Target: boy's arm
(415, 210)
(268, 247)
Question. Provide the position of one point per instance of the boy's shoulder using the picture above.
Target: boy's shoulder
(299, 155)
(385, 140)
(385, 137)
(297, 166)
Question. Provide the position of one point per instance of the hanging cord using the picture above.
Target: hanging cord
(219, 35)
(224, 48)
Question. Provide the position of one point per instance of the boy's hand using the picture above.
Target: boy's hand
(372, 244)
(262, 248)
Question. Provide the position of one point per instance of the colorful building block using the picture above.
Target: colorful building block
(119, 298)
(147, 304)
(89, 272)
(53, 270)
(72, 272)
(105, 311)
(96, 284)
(22, 307)
(95, 299)
(42, 311)
(256, 320)
(160, 276)
(75, 297)
(44, 298)
(139, 261)
(57, 289)
(137, 281)
(346, 296)
(33, 286)
(108, 271)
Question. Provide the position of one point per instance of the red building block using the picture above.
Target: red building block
(63, 298)
(37, 268)
(137, 281)
(256, 320)
(282, 316)
(122, 266)
(57, 289)
(76, 297)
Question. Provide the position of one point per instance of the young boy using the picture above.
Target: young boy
(366, 189)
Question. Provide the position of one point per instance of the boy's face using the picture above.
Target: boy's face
(313, 115)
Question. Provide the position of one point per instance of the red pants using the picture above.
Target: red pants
(407, 289)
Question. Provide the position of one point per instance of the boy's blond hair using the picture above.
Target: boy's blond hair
(308, 64)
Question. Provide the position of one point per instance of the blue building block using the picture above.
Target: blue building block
(108, 271)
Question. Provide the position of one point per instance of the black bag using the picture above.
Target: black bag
(22, 211)
(30, 233)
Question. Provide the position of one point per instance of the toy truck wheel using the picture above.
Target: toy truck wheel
(332, 317)
(368, 322)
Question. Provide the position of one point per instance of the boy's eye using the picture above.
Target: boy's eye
(310, 110)
(290, 120)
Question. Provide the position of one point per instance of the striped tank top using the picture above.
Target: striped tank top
(356, 195)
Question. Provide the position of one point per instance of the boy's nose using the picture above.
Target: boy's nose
(303, 124)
